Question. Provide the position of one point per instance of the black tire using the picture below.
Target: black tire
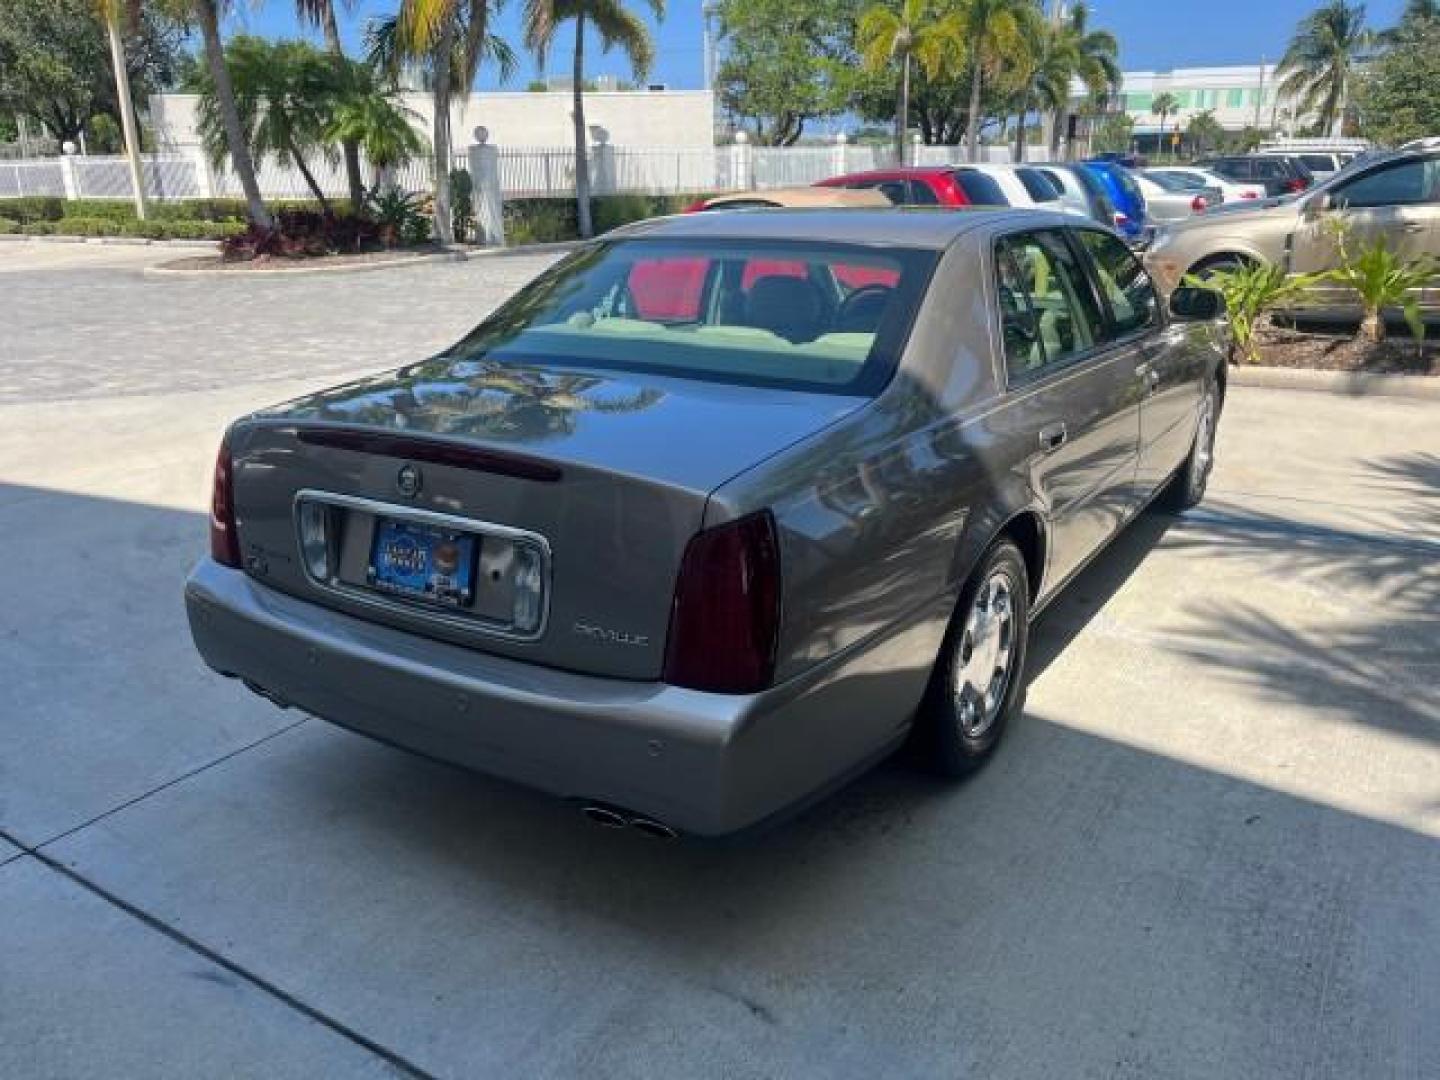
(1187, 487)
(951, 741)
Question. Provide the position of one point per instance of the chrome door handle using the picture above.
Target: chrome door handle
(1412, 226)
(1053, 437)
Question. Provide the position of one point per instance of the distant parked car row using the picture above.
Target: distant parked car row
(1135, 200)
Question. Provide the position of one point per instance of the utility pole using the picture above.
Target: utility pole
(1260, 94)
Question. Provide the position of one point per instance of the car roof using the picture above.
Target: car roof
(897, 172)
(932, 228)
(804, 196)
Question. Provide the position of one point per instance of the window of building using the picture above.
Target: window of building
(1235, 99)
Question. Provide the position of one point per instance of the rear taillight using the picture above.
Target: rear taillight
(1199, 204)
(1296, 184)
(696, 206)
(1249, 195)
(1121, 220)
(725, 622)
(224, 543)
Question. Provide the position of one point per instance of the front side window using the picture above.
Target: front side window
(1039, 186)
(813, 316)
(1123, 282)
(1048, 314)
(1405, 183)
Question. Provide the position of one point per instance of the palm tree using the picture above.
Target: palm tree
(885, 33)
(995, 32)
(616, 25)
(1094, 57)
(283, 92)
(1163, 105)
(368, 116)
(321, 13)
(1319, 64)
(207, 14)
(448, 38)
(111, 13)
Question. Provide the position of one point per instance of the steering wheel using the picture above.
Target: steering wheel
(854, 302)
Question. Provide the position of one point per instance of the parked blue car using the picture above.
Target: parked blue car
(1130, 217)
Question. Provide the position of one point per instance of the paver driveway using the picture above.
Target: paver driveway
(1211, 847)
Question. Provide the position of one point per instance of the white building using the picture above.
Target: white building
(1239, 96)
(645, 118)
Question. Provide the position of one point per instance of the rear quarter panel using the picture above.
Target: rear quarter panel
(881, 515)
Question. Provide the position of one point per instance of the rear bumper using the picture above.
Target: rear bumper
(701, 763)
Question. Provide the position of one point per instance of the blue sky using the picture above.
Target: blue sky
(1154, 34)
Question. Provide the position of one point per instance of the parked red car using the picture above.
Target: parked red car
(927, 185)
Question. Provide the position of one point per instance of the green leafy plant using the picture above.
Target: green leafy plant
(1252, 291)
(462, 204)
(400, 217)
(1382, 279)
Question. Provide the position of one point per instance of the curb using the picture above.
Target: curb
(132, 241)
(163, 270)
(558, 247)
(1353, 383)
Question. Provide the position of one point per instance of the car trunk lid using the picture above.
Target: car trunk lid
(607, 473)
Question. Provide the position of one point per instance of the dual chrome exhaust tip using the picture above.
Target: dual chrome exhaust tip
(610, 818)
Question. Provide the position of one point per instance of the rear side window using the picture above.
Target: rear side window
(1048, 313)
(1403, 184)
(1320, 162)
(921, 195)
(980, 189)
(1271, 169)
(1039, 186)
(1123, 282)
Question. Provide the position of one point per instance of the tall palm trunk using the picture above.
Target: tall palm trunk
(972, 122)
(902, 110)
(349, 148)
(582, 158)
(209, 19)
(440, 131)
(127, 113)
(1020, 124)
(1057, 121)
(309, 177)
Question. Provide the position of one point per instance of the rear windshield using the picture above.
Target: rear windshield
(1174, 182)
(809, 316)
(980, 189)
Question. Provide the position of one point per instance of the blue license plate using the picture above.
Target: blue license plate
(424, 562)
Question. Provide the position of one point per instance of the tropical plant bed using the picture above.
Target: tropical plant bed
(329, 261)
(1284, 347)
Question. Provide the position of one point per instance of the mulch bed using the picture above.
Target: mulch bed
(1291, 348)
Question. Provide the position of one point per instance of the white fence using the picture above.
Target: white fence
(525, 171)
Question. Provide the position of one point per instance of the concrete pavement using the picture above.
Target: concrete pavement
(1209, 849)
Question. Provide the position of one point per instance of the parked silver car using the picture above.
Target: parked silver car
(718, 510)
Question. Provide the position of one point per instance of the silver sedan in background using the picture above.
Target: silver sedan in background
(718, 510)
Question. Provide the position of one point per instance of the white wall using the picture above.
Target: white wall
(654, 119)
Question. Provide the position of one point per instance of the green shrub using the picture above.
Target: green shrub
(109, 209)
(1252, 291)
(7, 226)
(30, 208)
(540, 221)
(1382, 279)
(38, 228)
(90, 226)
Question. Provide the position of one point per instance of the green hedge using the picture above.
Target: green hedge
(52, 208)
(155, 230)
(544, 221)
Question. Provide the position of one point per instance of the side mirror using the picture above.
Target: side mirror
(1189, 304)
